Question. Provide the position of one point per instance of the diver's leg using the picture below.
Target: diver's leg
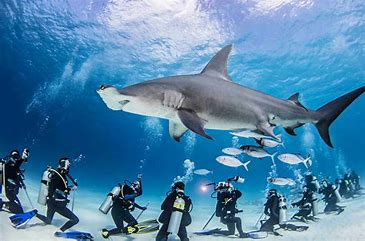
(183, 234)
(239, 227)
(51, 209)
(162, 233)
(13, 204)
(131, 221)
(67, 213)
(117, 216)
(268, 225)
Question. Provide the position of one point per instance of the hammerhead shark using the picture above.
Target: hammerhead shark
(211, 100)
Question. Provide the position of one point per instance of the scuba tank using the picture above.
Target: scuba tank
(176, 216)
(282, 210)
(2, 176)
(337, 193)
(108, 202)
(314, 204)
(43, 190)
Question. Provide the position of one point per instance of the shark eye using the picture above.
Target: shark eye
(102, 87)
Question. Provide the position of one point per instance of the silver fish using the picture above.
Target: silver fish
(280, 181)
(257, 152)
(232, 151)
(202, 172)
(269, 142)
(294, 159)
(232, 162)
(254, 134)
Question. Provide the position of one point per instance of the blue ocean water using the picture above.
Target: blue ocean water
(55, 54)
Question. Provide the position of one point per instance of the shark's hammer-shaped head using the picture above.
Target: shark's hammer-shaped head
(113, 98)
(143, 99)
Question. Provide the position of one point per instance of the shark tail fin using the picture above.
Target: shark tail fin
(329, 112)
(245, 165)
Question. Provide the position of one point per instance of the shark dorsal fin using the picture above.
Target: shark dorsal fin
(217, 66)
(295, 99)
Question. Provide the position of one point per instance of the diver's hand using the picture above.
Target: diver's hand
(25, 154)
(74, 188)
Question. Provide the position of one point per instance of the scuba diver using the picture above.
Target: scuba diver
(122, 203)
(355, 178)
(312, 183)
(226, 209)
(330, 198)
(175, 216)
(271, 210)
(57, 194)
(305, 206)
(350, 186)
(13, 178)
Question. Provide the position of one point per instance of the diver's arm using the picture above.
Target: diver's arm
(73, 180)
(139, 207)
(273, 209)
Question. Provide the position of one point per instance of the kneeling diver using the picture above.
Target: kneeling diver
(123, 202)
(305, 206)
(58, 191)
(13, 179)
(175, 216)
(226, 209)
(330, 198)
(272, 209)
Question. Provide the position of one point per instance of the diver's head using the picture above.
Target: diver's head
(178, 186)
(136, 186)
(272, 192)
(325, 183)
(305, 188)
(64, 164)
(15, 155)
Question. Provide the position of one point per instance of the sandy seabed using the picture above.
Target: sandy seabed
(348, 226)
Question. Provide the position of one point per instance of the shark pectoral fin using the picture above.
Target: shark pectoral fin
(295, 100)
(290, 131)
(176, 130)
(217, 66)
(192, 121)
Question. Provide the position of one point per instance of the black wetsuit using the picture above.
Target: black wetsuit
(122, 205)
(272, 210)
(330, 198)
(167, 207)
(310, 183)
(305, 206)
(57, 200)
(226, 210)
(13, 181)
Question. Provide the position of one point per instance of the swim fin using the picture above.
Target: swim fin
(208, 231)
(20, 219)
(257, 234)
(74, 235)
